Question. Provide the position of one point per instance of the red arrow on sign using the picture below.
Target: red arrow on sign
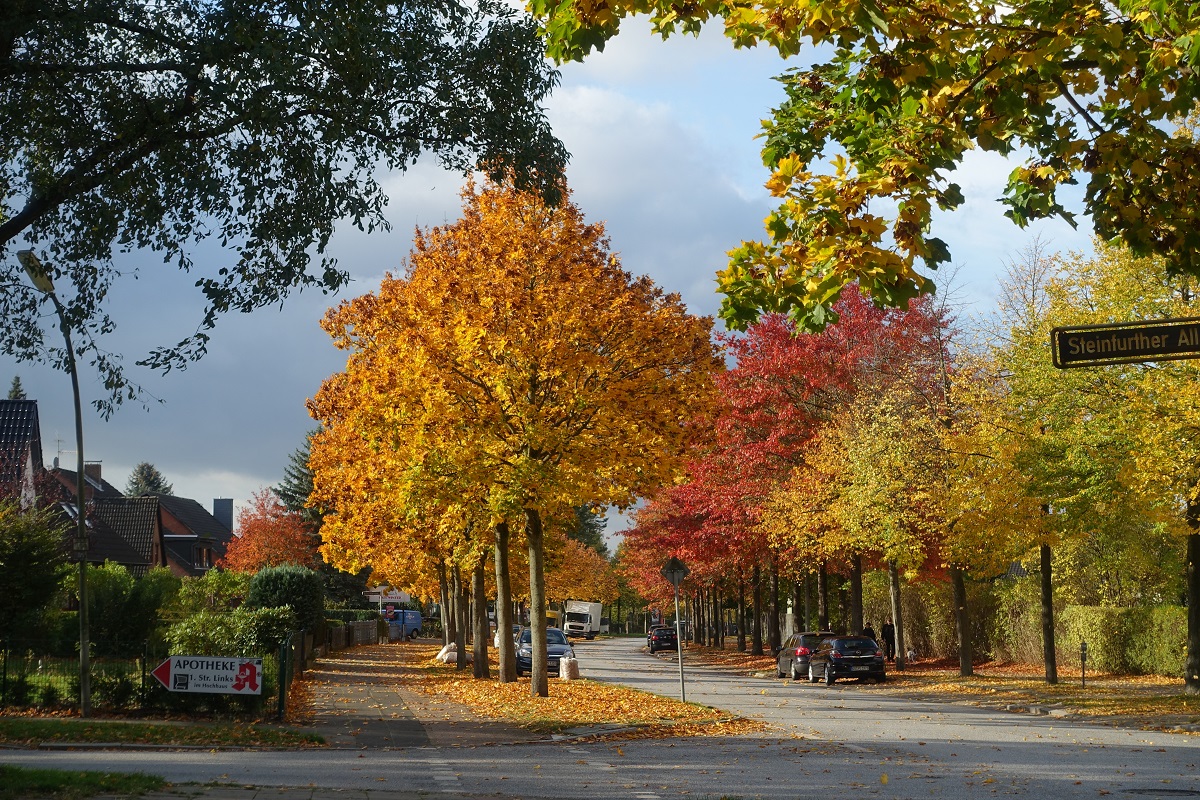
(163, 673)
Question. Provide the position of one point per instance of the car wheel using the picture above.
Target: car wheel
(881, 679)
(812, 678)
(520, 673)
(795, 675)
(829, 675)
(778, 670)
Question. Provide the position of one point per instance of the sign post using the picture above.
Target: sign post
(675, 571)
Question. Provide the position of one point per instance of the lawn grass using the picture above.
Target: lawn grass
(17, 783)
(31, 731)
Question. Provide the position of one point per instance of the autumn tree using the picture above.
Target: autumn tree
(257, 127)
(1075, 89)
(269, 535)
(515, 334)
(146, 479)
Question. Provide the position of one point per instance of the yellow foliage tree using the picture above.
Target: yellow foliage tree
(518, 365)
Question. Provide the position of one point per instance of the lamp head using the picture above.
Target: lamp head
(36, 271)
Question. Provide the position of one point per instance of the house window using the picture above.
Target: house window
(203, 557)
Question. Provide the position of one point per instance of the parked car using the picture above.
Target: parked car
(557, 647)
(792, 658)
(661, 638)
(846, 657)
(516, 635)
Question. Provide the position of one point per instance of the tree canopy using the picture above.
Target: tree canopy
(270, 535)
(862, 149)
(158, 126)
(146, 479)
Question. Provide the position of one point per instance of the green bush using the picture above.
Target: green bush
(343, 615)
(243, 632)
(114, 690)
(296, 587)
(1106, 631)
(50, 696)
(1157, 642)
(18, 691)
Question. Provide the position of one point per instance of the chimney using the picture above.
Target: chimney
(92, 470)
(223, 511)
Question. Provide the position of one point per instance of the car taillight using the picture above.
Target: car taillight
(834, 654)
(879, 654)
(802, 651)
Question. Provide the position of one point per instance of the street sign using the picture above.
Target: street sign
(1125, 342)
(210, 674)
(675, 571)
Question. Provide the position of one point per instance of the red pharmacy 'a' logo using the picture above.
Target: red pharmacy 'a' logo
(247, 677)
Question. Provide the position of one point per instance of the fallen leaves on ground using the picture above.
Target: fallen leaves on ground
(606, 710)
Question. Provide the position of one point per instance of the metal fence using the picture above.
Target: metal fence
(32, 676)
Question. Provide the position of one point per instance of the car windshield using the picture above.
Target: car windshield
(553, 636)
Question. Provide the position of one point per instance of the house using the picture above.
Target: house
(20, 450)
(127, 531)
(195, 539)
(136, 532)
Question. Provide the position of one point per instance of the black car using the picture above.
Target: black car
(557, 647)
(847, 657)
(792, 659)
(662, 639)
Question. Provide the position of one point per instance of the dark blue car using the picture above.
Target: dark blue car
(557, 647)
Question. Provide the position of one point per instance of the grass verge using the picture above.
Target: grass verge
(17, 783)
(29, 732)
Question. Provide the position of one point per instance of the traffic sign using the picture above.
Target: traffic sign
(1125, 342)
(675, 571)
(210, 674)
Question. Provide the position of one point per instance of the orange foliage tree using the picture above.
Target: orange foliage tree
(517, 366)
(270, 535)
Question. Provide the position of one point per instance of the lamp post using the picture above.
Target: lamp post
(675, 571)
(42, 281)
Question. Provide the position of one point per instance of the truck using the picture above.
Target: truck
(582, 619)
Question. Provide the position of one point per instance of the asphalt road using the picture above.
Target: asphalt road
(841, 741)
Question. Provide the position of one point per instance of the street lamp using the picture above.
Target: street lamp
(675, 571)
(42, 281)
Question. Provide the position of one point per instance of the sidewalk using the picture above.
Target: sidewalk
(360, 701)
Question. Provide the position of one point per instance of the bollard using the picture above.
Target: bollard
(1083, 664)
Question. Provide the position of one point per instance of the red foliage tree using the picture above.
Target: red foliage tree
(270, 535)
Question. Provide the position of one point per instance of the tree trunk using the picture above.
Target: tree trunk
(718, 620)
(1048, 651)
(445, 609)
(702, 631)
(741, 631)
(479, 592)
(822, 597)
(962, 623)
(773, 636)
(506, 652)
(1191, 681)
(460, 617)
(799, 622)
(539, 683)
(756, 648)
(897, 614)
(856, 604)
(808, 608)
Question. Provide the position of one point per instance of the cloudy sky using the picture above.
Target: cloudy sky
(663, 151)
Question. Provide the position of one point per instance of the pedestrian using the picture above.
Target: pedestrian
(869, 631)
(889, 641)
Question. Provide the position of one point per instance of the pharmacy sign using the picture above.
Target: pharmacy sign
(1125, 342)
(211, 674)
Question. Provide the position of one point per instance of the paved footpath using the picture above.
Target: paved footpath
(360, 702)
